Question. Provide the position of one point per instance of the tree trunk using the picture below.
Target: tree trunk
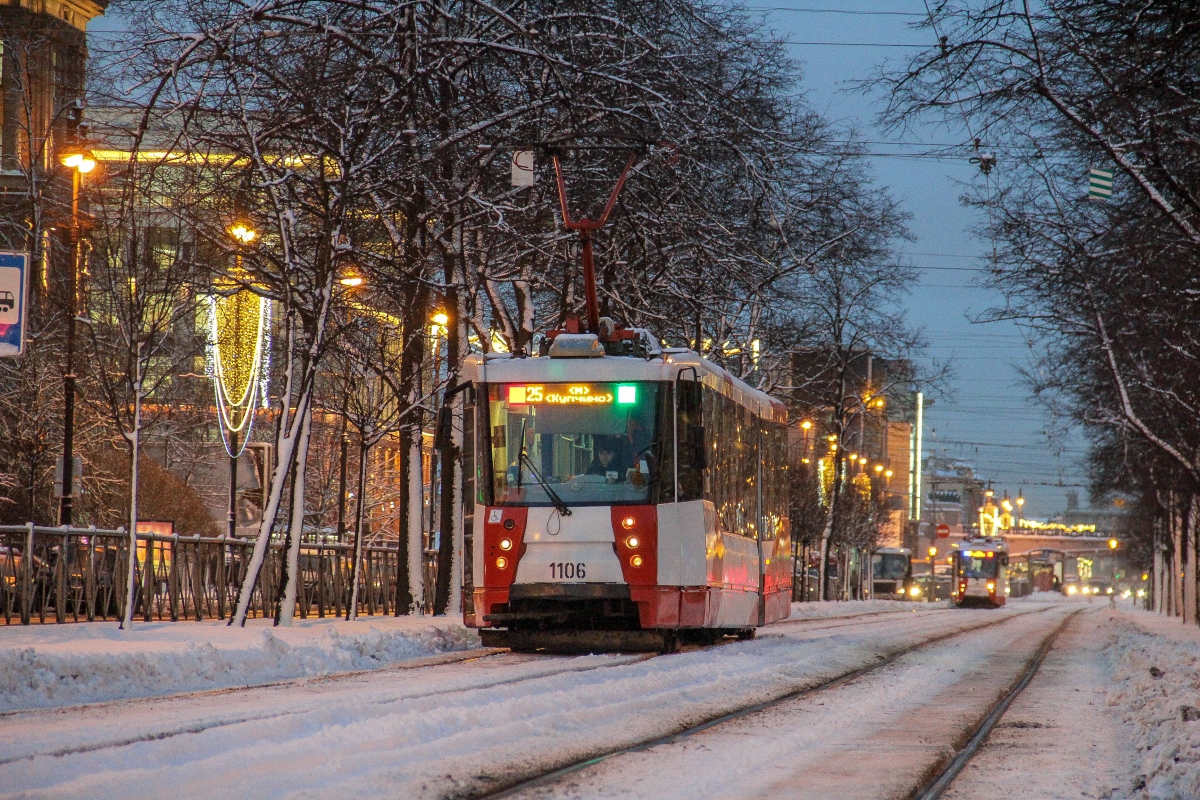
(290, 580)
(134, 437)
(1189, 560)
(359, 526)
(416, 552)
(405, 566)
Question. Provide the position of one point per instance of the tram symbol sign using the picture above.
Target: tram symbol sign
(13, 267)
(942, 530)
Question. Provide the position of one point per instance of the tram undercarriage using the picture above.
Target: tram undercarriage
(585, 618)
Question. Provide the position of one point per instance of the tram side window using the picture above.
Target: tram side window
(731, 479)
(694, 440)
(774, 461)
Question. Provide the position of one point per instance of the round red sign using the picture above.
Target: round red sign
(943, 530)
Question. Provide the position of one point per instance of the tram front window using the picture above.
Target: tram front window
(890, 566)
(978, 565)
(590, 443)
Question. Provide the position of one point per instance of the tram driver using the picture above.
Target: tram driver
(608, 459)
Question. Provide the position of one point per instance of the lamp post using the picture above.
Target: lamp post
(930, 596)
(1020, 506)
(80, 164)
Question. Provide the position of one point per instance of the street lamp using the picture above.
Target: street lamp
(1020, 504)
(80, 163)
(929, 596)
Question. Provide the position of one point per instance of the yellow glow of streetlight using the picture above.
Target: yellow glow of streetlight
(806, 424)
(1112, 544)
(83, 162)
(352, 281)
(888, 473)
(879, 467)
(243, 233)
(1020, 500)
(440, 319)
(1007, 506)
(862, 462)
(932, 552)
(854, 456)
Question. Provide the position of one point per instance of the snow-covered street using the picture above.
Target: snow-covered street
(427, 723)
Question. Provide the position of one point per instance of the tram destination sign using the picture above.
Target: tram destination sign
(573, 394)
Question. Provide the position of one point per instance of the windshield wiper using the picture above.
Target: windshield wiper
(537, 476)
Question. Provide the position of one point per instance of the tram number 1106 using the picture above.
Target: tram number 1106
(568, 571)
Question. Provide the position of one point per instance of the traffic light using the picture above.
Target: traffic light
(1112, 544)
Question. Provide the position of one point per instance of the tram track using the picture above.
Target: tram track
(428, 662)
(942, 775)
(463, 657)
(247, 718)
(547, 778)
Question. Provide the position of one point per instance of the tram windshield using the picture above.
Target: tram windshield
(978, 564)
(590, 443)
(889, 566)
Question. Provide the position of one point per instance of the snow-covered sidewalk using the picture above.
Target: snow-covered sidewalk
(1156, 666)
(56, 665)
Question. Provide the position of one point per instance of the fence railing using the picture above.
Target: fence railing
(78, 574)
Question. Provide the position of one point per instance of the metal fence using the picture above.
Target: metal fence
(78, 574)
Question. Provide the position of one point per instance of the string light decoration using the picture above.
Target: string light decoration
(238, 351)
(238, 343)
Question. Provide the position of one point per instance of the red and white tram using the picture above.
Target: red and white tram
(621, 495)
(980, 573)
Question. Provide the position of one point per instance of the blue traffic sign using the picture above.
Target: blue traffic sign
(13, 269)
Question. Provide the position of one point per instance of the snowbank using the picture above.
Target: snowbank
(56, 665)
(818, 610)
(1157, 692)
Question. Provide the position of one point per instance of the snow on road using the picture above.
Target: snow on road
(372, 708)
(426, 733)
(875, 737)
(44, 666)
(1060, 738)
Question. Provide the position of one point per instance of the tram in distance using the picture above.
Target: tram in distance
(620, 495)
(980, 573)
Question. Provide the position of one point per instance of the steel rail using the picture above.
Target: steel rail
(201, 727)
(426, 663)
(514, 788)
(943, 777)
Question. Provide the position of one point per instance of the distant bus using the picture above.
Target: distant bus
(891, 574)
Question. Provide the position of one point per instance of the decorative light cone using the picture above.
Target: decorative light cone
(238, 348)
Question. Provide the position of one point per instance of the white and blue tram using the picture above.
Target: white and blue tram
(620, 495)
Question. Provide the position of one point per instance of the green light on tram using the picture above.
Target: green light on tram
(626, 394)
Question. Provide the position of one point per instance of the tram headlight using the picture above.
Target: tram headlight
(506, 544)
(628, 523)
(914, 591)
(632, 542)
(636, 561)
(1071, 590)
(501, 562)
